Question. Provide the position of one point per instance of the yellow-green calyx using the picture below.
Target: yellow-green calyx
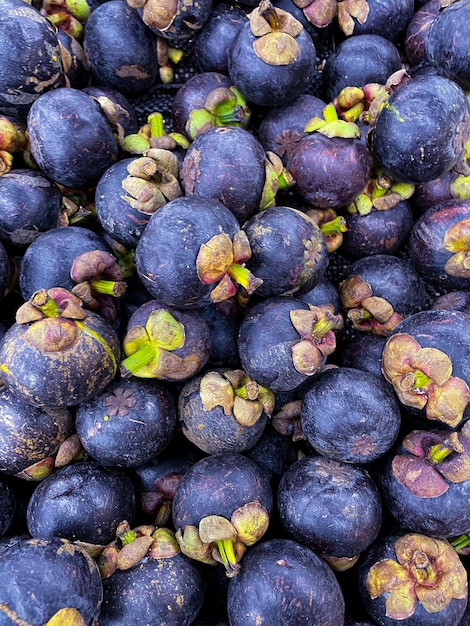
(277, 178)
(316, 327)
(153, 135)
(381, 193)
(368, 313)
(275, 32)
(217, 539)
(332, 226)
(150, 349)
(221, 260)
(457, 241)
(224, 106)
(237, 394)
(331, 126)
(422, 379)
(425, 571)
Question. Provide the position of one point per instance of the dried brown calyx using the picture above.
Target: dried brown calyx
(222, 260)
(275, 32)
(237, 394)
(427, 571)
(133, 544)
(152, 180)
(316, 326)
(219, 540)
(368, 313)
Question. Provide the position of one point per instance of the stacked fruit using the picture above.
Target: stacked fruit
(234, 279)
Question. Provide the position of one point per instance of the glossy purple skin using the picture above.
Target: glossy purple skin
(40, 577)
(388, 18)
(265, 344)
(70, 138)
(350, 415)
(417, 31)
(30, 203)
(31, 63)
(283, 127)
(332, 507)
(394, 279)
(82, 501)
(358, 60)
(130, 423)
(329, 172)
(279, 253)
(283, 582)
(263, 84)
(166, 252)
(192, 95)
(447, 44)
(47, 261)
(219, 484)
(378, 232)
(214, 40)
(227, 164)
(426, 243)
(422, 131)
(120, 49)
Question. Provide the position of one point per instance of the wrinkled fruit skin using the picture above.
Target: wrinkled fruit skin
(304, 585)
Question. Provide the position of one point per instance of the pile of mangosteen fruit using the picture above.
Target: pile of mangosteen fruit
(234, 312)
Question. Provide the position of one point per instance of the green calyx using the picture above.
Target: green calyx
(146, 346)
(224, 106)
(331, 126)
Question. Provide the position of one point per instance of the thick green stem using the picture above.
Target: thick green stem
(241, 275)
(322, 327)
(155, 121)
(439, 452)
(337, 225)
(139, 359)
(227, 554)
(44, 303)
(248, 391)
(460, 542)
(421, 380)
(115, 288)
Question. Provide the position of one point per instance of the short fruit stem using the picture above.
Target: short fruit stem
(139, 359)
